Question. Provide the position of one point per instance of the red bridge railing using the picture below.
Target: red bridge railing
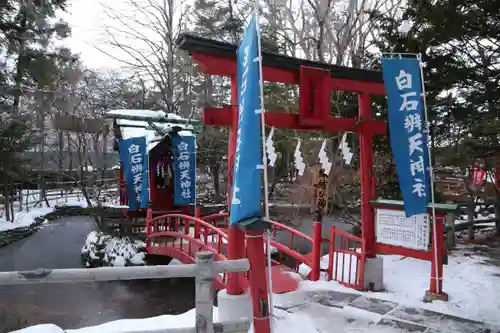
(181, 236)
(221, 220)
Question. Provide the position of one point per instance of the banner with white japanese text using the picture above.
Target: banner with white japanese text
(245, 197)
(407, 131)
(134, 160)
(184, 148)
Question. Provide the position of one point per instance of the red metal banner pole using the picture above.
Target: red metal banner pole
(435, 291)
(258, 281)
(316, 247)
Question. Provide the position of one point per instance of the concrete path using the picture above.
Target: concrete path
(352, 312)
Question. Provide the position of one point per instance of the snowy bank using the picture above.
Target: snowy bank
(105, 250)
(27, 218)
(27, 222)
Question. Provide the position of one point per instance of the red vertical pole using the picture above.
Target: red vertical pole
(236, 237)
(123, 189)
(258, 281)
(366, 176)
(436, 282)
(149, 218)
(316, 247)
(197, 214)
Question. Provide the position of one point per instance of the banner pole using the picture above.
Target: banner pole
(431, 175)
(264, 159)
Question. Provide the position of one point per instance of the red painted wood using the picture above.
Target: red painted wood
(436, 283)
(282, 281)
(316, 252)
(236, 237)
(389, 249)
(366, 175)
(223, 117)
(314, 96)
(222, 66)
(257, 279)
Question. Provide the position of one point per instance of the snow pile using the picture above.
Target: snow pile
(105, 250)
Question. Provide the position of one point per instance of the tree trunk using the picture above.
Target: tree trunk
(6, 200)
(216, 181)
(470, 217)
(497, 216)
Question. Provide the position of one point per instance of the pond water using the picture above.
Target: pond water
(58, 245)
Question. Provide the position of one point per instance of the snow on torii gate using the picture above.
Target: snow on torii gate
(316, 81)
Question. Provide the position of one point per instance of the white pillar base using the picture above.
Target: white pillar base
(233, 307)
(374, 274)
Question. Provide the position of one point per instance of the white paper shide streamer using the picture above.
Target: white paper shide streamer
(299, 161)
(271, 152)
(346, 151)
(326, 165)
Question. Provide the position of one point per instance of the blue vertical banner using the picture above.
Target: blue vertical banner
(135, 164)
(407, 129)
(184, 149)
(245, 198)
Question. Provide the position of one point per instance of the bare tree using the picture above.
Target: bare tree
(145, 37)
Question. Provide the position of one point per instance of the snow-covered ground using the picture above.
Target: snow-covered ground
(472, 283)
(480, 214)
(106, 250)
(26, 218)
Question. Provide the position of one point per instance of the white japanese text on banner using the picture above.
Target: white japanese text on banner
(134, 160)
(184, 147)
(407, 130)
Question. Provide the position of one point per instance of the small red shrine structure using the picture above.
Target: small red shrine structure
(156, 127)
(316, 81)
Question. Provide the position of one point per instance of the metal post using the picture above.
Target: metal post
(204, 280)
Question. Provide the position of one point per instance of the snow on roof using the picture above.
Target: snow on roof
(146, 114)
(154, 132)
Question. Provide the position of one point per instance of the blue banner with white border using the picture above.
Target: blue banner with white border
(407, 130)
(245, 197)
(184, 149)
(134, 158)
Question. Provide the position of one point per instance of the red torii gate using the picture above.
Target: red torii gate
(316, 81)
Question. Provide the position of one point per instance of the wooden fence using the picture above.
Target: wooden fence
(203, 271)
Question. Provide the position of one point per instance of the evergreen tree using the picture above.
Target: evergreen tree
(460, 45)
(27, 31)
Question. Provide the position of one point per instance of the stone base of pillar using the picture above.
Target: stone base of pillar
(233, 307)
(374, 274)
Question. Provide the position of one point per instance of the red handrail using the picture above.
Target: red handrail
(340, 254)
(208, 226)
